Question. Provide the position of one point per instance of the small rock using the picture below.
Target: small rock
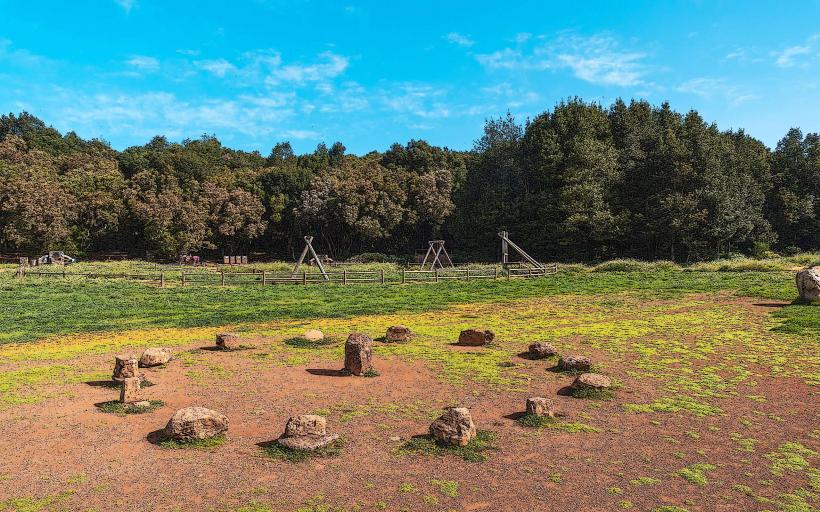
(455, 427)
(475, 338)
(592, 381)
(130, 390)
(154, 357)
(227, 341)
(306, 425)
(306, 432)
(539, 406)
(314, 335)
(125, 366)
(574, 364)
(395, 439)
(398, 334)
(358, 354)
(541, 350)
(193, 423)
(142, 404)
(808, 284)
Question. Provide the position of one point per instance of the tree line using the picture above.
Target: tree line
(581, 182)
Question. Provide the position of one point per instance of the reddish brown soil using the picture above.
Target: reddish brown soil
(44, 447)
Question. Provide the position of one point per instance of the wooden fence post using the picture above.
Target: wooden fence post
(183, 278)
(304, 277)
(161, 280)
(222, 282)
(382, 272)
(344, 276)
(468, 273)
(436, 275)
(509, 273)
(402, 276)
(263, 277)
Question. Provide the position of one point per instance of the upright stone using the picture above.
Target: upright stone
(314, 335)
(358, 354)
(130, 390)
(455, 427)
(475, 338)
(227, 341)
(808, 284)
(125, 366)
(398, 334)
(538, 406)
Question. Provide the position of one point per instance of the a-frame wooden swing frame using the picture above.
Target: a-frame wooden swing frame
(437, 254)
(309, 247)
(506, 243)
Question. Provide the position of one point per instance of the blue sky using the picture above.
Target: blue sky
(372, 73)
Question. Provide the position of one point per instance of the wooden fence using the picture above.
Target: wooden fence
(343, 277)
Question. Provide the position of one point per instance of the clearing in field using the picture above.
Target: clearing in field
(713, 403)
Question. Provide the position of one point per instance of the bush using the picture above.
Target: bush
(632, 265)
(760, 250)
(372, 257)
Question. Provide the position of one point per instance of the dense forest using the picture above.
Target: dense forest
(581, 182)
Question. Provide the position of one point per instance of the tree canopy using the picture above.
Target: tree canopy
(580, 182)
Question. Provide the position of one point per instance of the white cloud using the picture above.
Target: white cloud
(716, 88)
(143, 63)
(459, 39)
(21, 57)
(126, 5)
(333, 66)
(597, 59)
(218, 67)
(788, 57)
(299, 134)
(419, 100)
(522, 37)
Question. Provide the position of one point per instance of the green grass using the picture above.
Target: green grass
(552, 423)
(696, 473)
(300, 342)
(593, 394)
(276, 451)
(99, 306)
(474, 451)
(197, 444)
(119, 408)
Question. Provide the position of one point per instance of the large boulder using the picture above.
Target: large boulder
(574, 364)
(358, 354)
(539, 406)
(306, 432)
(154, 357)
(398, 334)
(227, 341)
(808, 284)
(475, 338)
(541, 350)
(125, 366)
(592, 381)
(454, 428)
(195, 423)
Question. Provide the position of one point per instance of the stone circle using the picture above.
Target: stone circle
(592, 381)
(227, 341)
(808, 284)
(125, 366)
(154, 357)
(398, 334)
(358, 354)
(314, 335)
(539, 406)
(306, 432)
(475, 338)
(574, 363)
(541, 350)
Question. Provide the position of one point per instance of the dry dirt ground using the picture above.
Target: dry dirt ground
(715, 412)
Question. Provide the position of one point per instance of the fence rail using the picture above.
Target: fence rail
(304, 278)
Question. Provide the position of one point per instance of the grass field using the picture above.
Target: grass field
(718, 365)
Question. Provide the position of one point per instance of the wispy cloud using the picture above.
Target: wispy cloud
(716, 88)
(798, 55)
(21, 56)
(218, 67)
(143, 63)
(332, 66)
(596, 59)
(126, 5)
(459, 39)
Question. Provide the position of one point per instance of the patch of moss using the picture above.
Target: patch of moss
(119, 408)
(276, 451)
(473, 452)
(696, 473)
(448, 488)
(198, 444)
(592, 394)
(552, 423)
